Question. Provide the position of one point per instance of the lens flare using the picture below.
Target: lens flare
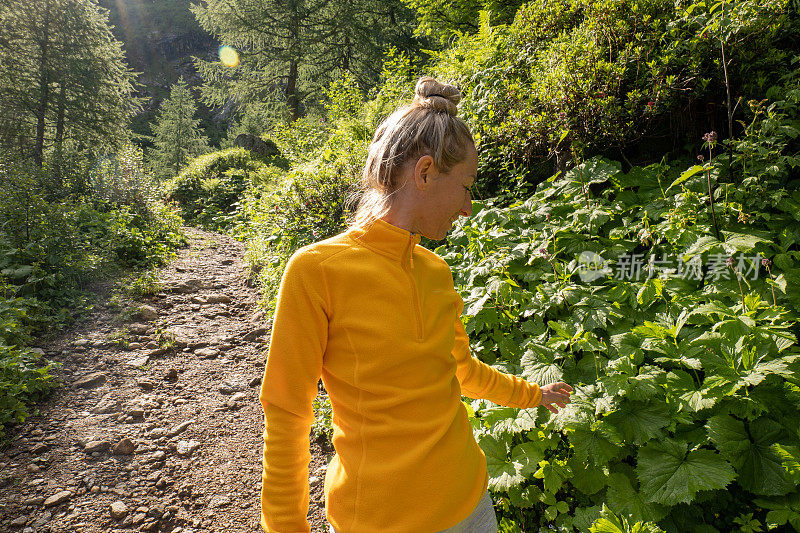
(229, 56)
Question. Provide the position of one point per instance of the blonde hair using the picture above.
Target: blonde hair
(428, 126)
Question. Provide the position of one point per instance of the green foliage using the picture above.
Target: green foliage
(576, 78)
(611, 523)
(321, 427)
(23, 380)
(63, 80)
(177, 135)
(211, 187)
(444, 19)
(685, 380)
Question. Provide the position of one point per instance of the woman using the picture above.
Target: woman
(377, 317)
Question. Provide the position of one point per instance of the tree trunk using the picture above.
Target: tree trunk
(291, 90)
(291, 82)
(44, 89)
(62, 103)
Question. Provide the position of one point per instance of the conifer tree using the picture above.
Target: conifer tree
(177, 132)
(63, 77)
(290, 50)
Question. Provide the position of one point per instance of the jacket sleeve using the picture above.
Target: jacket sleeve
(293, 368)
(479, 380)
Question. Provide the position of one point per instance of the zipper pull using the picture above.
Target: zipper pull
(411, 253)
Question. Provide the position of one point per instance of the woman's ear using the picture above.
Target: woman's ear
(424, 172)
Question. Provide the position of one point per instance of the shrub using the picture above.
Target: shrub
(686, 402)
(212, 184)
(626, 80)
(23, 381)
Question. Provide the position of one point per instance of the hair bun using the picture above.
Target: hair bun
(432, 94)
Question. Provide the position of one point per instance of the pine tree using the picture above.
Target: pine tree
(290, 50)
(63, 77)
(177, 133)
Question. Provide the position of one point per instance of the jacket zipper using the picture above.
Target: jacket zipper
(414, 294)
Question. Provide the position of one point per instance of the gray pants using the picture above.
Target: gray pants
(482, 519)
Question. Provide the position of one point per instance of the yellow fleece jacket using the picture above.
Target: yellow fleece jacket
(377, 318)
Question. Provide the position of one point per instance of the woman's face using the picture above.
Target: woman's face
(449, 198)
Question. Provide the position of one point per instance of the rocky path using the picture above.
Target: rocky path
(158, 426)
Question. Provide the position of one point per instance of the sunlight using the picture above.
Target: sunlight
(229, 56)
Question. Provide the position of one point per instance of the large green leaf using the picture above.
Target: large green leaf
(509, 419)
(623, 498)
(691, 396)
(668, 475)
(638, 422)
(503, 473)
(749, 449)
(597, 445)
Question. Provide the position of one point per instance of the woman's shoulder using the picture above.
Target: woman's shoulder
(315, 253)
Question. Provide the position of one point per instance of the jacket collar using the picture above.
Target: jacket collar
(386, 239)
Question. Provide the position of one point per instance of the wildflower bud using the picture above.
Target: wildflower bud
(710, 137)
(729, 262)
(766, 262)
(701, 158)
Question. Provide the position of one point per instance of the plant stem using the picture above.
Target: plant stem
(711, 198)
(728, 96)
(738, 279)
(583, 187)
(774, 301)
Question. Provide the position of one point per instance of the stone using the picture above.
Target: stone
(255, 382)
(138, 328)
(155, 352)
(19, 521)
(239, 396)
(206, 353)
(227, 387)
(124, 447)
(220, 501)
(94, 379)
(119, 510)
(108, 404)
(58, 498)
(171, 374)
(80, 343)
(97, 446)
(40, 448)
(145, 385)
(186, 448)
(37, 351)
(180, 428)
(218, 299)
(254, 334)
(136, 413)
(257, 145)
(147, 312)
(139, 361)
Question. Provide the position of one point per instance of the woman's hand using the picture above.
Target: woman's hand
(555, 393)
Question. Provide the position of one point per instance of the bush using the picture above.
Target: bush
(211, 186)
(23, 381)
(621, 79)
(686, 402)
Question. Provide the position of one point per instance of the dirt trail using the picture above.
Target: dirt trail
(144, 437)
